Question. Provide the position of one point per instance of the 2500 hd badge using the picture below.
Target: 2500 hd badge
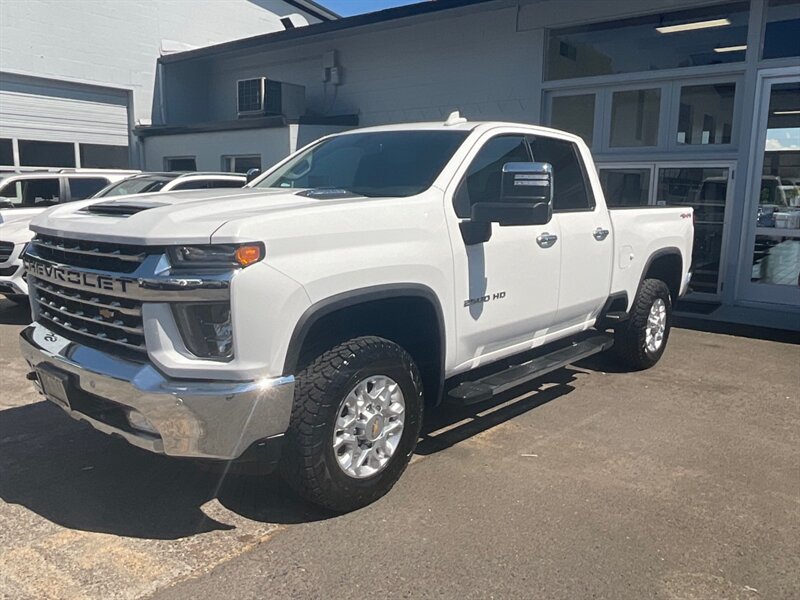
(76, 278)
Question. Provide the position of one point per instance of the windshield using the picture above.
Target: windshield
(377, 164)
(135, 185)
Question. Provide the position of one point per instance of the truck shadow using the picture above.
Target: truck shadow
(78, 478)
(12, 313)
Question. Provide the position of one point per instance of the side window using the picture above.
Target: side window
(85, 187)
(570, 190)
(482, 181)
(11, 193)
(40, 192)
(197, 184)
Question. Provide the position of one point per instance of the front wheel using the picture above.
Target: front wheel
(355, 423)
(640, 342)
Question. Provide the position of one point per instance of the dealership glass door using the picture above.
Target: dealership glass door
(771, 270)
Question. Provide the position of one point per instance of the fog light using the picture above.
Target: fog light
(138, 421)
(206, 329)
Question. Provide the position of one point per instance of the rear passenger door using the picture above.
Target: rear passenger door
(586, 242)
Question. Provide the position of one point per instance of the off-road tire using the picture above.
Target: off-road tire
(629, 340)
(308, 462)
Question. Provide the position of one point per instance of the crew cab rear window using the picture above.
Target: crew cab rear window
(85, 187)
(570, 185)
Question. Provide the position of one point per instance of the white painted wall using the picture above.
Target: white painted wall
(272, 144)
(116, 43)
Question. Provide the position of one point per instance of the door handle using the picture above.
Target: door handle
(600, 234)
(546, 240)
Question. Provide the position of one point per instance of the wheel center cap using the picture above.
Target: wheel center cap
(374, 428)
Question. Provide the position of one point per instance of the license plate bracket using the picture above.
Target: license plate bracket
(54, 385)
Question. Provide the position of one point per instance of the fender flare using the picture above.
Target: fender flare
(660, 253)
(351, 298)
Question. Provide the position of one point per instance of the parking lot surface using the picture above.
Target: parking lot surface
(682, 482)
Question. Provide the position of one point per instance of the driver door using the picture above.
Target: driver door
(507, 287)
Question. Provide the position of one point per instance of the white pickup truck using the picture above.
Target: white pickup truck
(318, 312)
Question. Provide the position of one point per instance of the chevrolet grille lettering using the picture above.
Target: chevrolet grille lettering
(76, 278)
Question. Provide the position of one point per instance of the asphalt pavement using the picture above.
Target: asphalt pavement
(681, 482)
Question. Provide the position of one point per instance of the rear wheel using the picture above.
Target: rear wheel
(640, 343)
(355, 422)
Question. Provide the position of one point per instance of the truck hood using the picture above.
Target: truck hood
(17, 232)
(189, 217)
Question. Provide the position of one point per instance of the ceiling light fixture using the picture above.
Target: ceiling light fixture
(731, 49)
(786, 112)
(695, 25)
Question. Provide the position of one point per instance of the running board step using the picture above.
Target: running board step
(473, 392)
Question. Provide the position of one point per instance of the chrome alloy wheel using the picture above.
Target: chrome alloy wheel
(369, 425)
(656, 326)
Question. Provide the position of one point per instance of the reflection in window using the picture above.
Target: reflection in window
(634, 118)
(625, 187)
(706, 190)
(574, 114)
(782, 33)
(706, 36)
(776, 252)
(706, 114)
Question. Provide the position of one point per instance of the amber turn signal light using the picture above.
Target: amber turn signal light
(249, 254)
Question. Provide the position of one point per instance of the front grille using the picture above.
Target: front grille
(99, 320)
(6, 248)
(102, 256)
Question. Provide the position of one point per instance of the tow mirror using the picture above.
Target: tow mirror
(252, 174)
(525, 198)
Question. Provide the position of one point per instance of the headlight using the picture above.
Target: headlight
(228, 256)
(206, 329)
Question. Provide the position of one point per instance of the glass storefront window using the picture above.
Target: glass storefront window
(625, 187)
(776, 253)
(706, 114)
(634, 118)
(574, 114)
(706, 190)
(705, 36)
(782, 33)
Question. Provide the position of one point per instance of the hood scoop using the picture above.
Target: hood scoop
(121, 209)
(327, 193)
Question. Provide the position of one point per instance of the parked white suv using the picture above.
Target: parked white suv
(353, 286)
(15, 234)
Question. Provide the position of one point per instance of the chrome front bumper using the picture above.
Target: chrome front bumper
(197, 419)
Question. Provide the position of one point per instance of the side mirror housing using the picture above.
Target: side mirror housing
(526, 196)
(252, 174)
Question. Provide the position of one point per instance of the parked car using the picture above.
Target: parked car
(14, 236)
(148, 183)
(361, 281)
(24, 194)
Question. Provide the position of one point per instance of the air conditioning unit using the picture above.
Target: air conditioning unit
(260, 96)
